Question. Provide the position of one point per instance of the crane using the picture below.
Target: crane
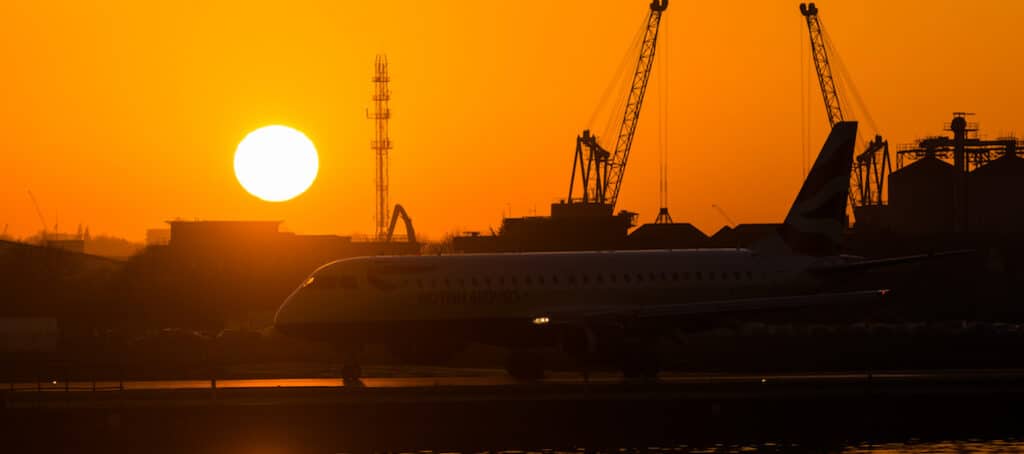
(871, 169)
(39, 212)
(601, 170)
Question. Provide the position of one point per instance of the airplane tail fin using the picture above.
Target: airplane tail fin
(815, 223)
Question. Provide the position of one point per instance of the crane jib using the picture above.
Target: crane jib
(601, 171)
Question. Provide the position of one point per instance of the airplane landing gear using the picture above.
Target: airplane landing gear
(351, 368)
(351, 372)
(640, 365)
(525, 365)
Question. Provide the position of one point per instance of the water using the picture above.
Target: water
(912, 446)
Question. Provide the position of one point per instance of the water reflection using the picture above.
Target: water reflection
(972, 446)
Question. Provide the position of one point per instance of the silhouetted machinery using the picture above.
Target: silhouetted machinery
(600, 170)
(872, 166)
(586, 219)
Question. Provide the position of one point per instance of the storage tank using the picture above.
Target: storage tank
(996, 195)
(923, 197)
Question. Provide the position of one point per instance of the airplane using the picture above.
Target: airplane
(611, 303)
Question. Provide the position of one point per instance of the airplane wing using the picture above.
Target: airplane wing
(865, 265)
(722, 306)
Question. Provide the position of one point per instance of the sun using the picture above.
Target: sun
(276, 163)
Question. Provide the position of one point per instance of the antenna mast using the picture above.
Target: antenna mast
(381, 143)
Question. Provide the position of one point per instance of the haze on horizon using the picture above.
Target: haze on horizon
(121, 115)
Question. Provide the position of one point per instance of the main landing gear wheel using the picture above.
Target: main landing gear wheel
(640, 365)
(525, 366)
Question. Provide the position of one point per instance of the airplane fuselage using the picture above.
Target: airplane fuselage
(483, 297)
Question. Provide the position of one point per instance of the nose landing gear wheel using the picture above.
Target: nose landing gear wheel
(351, 372)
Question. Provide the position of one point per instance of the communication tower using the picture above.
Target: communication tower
(381, 144)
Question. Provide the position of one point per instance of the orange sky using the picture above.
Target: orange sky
(121, 115)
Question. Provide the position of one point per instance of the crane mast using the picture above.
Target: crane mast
(872, 166)
(601, 171)
(819, 52)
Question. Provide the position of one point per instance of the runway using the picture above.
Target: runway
(480, 378)
(478, 409)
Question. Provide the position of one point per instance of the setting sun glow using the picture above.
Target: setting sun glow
(276, 163)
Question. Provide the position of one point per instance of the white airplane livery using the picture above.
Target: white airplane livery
(589, 303)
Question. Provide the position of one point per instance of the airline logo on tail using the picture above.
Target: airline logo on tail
(815, 223)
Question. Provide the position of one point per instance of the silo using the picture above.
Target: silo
(922, 197)
(996, 195)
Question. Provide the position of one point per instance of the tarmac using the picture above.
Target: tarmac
(484, 410)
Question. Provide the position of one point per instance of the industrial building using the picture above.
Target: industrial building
(961, 184)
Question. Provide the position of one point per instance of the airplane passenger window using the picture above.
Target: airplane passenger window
(686, 275)
(675, 275)
(572, 279)
(419, 283)
(447, 282)
(462, 282)
(433, 283)
(487, 281)
(663, 276)
(473, 281)
(699, 275)
(501, 280)
(528, 280)
(599, 278)
(540, 279)
(652, 276)
(586, 279)
(514, 281)
(639, 277)
(554, 279)
(725, 275)
(711, 276)
(611, 277)
(737, 275)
